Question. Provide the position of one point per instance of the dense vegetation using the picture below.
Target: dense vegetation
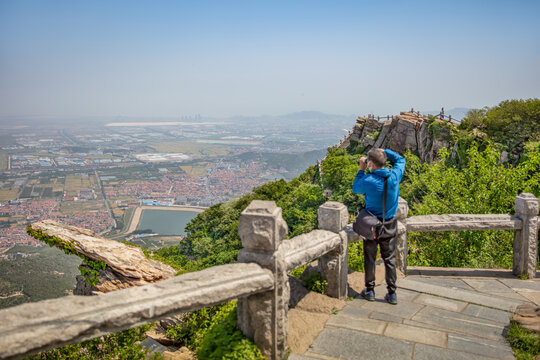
(525, 343)
(26, 275)
(514, 124)
(470, 178)
(118, 346)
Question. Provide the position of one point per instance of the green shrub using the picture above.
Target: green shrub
(118, 346)
(223, 340)
(526, 344)
(356, 256)
(315, 282)
(481, 186)
(212, 333)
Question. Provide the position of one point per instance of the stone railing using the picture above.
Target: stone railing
(259, 280)
(524, 223)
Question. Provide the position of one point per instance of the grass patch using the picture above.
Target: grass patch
(525, 343)
(3, 161)
(6, 195)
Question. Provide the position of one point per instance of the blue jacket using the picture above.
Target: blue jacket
(371, 185)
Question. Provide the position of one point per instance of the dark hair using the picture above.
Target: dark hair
(377, 157)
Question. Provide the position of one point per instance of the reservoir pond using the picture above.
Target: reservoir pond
(165, 222)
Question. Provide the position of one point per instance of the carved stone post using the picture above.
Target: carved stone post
(402, 245)
(525, 240)
(263, 317)
(333, 216)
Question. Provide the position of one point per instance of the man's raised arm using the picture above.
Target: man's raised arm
(398, 162)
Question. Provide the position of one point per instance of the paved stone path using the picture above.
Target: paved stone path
(439, 316)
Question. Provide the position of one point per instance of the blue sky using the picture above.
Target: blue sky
(224, 58)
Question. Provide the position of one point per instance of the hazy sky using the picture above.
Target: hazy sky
(221, 58)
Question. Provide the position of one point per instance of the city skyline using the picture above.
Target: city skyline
(175, 59)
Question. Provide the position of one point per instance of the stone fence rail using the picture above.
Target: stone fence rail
(259, 280)
(262, 290)
(39, 326)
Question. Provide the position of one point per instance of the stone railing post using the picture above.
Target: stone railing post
(333, 216)
(263, 316)
(525, 240)
(402, 245)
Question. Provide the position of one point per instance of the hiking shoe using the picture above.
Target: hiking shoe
(391, 298)
(369, 295)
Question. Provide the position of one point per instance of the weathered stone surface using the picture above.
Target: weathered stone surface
(402, 247)
(333, 216)
(153, 346)
(427, 352)
(456, 222)
(489, 286)
(477, 346)
(478, 311)
(403, 209)
(460, 323)
(260, 225)
(405, 131)
(39, 326)
(334, 268)
(351, 235)
(301, 249)
(263, 316)
(360, 324)
(297, 291)
(440, 302)
(528, 316)
(387, 127)
(496, 302)
(525, 240)
(160, 336)
(181, 354)
(416, 334)
(522, 285)
(127, 261)
(353, 345)
(404, 309)
(526, 204)
(449, 283)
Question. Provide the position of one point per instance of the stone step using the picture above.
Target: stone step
(473, 297)
(461, 323)
(426, 352)
(354, 345)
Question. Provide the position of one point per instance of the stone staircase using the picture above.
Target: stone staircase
(439, 316)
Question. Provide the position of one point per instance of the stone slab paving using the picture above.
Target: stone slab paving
(437, 317)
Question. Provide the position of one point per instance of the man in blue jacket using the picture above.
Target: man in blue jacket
(371, 185)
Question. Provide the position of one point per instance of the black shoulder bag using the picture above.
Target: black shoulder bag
(370, 227)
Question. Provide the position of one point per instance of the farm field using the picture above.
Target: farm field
(195, 171)
(3, 161)
(71, 207)
(192, 148)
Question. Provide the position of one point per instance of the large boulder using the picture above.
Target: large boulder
(406, 131)
(126, 265)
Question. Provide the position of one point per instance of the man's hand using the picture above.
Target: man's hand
(362, 163)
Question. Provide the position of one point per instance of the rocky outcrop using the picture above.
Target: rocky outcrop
(528, 316)
(126, 265)
(421, 134)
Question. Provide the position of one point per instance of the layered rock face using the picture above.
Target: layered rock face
(406, 131)
(126, 265)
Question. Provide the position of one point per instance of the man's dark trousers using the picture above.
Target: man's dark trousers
(388, 254)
